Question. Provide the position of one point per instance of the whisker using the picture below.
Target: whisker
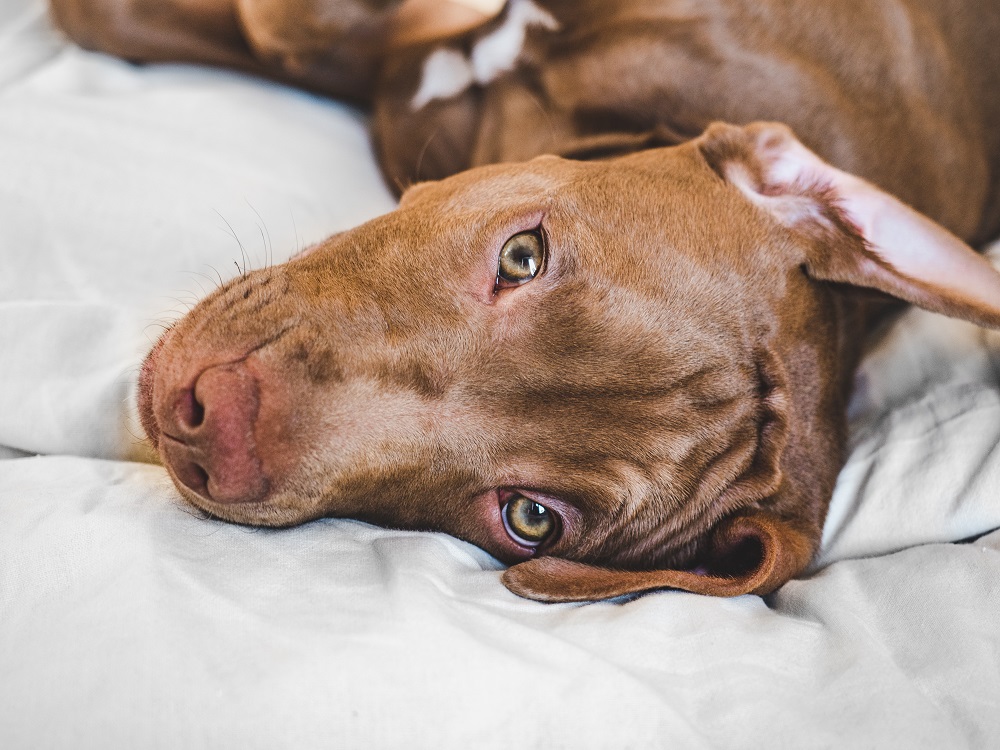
(222, 283)
(268, 245)
(204, 292)
(145, 329)
(264, 243)
(298, 247)
(186, 304)
(420, 156)
(536, 100)
(209, 279)
(243, 252)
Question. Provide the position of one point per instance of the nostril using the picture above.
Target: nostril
(193, 476)
(213, 452)
(189, 411)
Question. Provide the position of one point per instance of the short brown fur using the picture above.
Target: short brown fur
(674, 382)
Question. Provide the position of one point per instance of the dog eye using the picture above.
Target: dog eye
(528, 523)
(521, 259)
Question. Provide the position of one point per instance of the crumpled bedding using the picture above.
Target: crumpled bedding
(127, 620)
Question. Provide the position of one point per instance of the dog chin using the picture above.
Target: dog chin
(271, 514)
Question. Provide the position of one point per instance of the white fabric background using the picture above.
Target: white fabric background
(128, 621)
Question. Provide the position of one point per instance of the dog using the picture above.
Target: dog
(610, 332)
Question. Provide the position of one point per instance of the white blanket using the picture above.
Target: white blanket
(129, 621)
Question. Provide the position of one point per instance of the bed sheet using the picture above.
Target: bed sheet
(127, 620)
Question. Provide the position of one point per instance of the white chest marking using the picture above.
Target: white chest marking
(447, 72)
(497, 52)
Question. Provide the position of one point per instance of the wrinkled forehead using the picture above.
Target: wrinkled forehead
(484, 195)
(665, 209)
(443, 234)
(671, 189)
(516, 183)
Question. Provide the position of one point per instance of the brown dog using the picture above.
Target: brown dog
(620, 374)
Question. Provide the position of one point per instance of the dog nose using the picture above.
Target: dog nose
(210, 445)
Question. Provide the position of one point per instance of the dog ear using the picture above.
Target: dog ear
(422, 21)
(856, 233)
(751, 552)
(605, 145)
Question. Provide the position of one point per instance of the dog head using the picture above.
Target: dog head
(614, 376)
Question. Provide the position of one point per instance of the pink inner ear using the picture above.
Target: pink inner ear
(927, 264)
(922, 249)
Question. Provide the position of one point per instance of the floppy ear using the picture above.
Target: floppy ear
(752, 551)
(618, 143)
(857, 234)
(749, 553)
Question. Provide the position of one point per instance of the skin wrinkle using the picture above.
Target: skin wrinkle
(665, 543)
(357, 484)
(678, 373)
(572, 315)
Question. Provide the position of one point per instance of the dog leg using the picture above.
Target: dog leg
(197, 31)
(334, 47)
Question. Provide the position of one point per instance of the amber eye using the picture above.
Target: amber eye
(521, 259)
(528, 523)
